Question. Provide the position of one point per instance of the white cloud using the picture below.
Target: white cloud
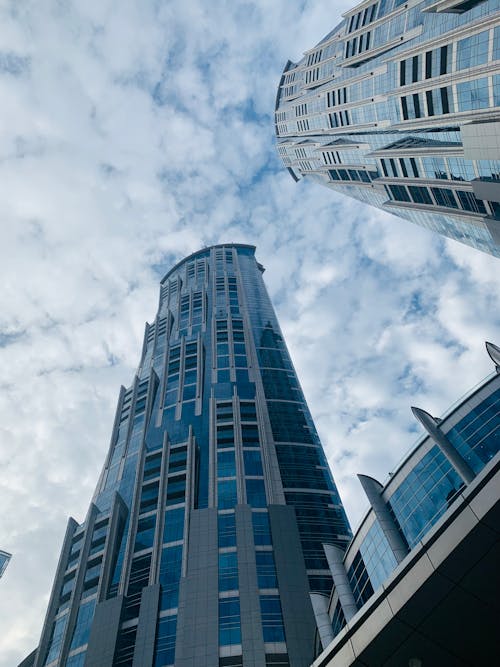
(133, 137)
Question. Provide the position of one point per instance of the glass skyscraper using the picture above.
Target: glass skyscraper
(399, 107)
(4, 561)
(204, 537)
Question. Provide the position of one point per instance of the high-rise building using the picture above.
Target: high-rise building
(399, 107)
(4, 561)
(204, 537)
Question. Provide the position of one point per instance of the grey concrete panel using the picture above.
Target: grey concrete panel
(197, 641)
(251, 627)
(493, 228)
(298, 614)
(489, 190)
(481, 140)
(146, 628)
(104, 632)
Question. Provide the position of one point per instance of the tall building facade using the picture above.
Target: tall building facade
(399, 107)
(4, 561)
(204, 537)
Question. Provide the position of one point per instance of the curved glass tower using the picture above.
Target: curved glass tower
(204, 537)
(399, 107)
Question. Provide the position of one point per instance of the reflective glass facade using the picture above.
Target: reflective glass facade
(381, 110)
(4, 561)
(205, 532)
(416, 497)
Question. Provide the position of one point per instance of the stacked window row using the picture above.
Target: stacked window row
(465, 53)
(188, 372)
(192, 310)
(444, 197)
(229, 605)
(473, 95)
(227, 491)
(359, 175)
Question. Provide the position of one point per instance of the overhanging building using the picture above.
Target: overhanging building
(419, 583)
(399, 107)
(204, 537)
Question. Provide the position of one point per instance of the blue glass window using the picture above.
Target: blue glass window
(170, 574)
(266, 571)
(472, 51)
(149, 497)
(256, 492)
(272, 619)
(174, 525)
(152, 467)
(473, 94)
(165, 641)
(424, 495)
(226, 464)
(145, 533)
(77, 660)
(261, 528)
(377, 555)
(227, 530)
(56, 638)
(253, 462)
(83, 624)
(226, 494)
(229, 621)
(228, 571)
(477, 436)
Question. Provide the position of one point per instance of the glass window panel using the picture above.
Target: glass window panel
(473, 50)
(226, 464)
(473, 94)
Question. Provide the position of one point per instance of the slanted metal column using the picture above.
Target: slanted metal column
(323, 621)
(494, 353)
(373, 490)
(335, 558)
(431, 425)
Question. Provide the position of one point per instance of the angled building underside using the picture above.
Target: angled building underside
(399, 107)
(419, 583)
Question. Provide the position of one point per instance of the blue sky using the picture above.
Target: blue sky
(131, 134)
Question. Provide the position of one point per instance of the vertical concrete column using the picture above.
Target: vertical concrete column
(104, 633)
(197, 641)
(298, 614)
(252, 641)
(335, 558)
(373, 490)
(146, 628)
(431, 425)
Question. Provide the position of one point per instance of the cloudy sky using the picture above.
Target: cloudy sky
(131, 134)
